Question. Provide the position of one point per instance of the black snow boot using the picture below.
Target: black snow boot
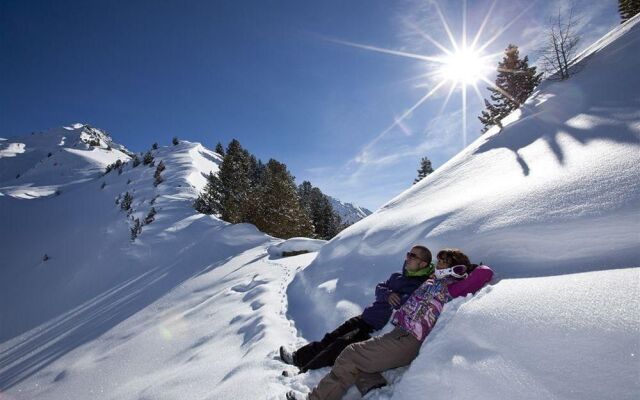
(292, 395)
(286, 356)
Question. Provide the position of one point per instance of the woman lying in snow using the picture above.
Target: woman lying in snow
(361, 363)
(389, 295)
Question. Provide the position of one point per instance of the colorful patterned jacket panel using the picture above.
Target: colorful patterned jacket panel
(421, 311)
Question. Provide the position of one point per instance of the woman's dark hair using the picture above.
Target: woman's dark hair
(455, 257)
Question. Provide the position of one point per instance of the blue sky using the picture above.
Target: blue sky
(277, 75)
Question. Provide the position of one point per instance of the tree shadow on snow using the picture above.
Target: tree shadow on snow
(585, 113)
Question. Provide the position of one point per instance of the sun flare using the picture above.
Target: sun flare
(464, 67)
(461, 65)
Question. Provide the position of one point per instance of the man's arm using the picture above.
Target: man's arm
(383, 291)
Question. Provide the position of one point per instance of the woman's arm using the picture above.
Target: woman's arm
(474, 282)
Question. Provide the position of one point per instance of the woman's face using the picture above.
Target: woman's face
(442, 264)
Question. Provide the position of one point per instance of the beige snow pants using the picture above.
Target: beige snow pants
(361, 364)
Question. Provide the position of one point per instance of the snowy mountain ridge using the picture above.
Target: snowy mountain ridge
(349, 213)
(44, 163)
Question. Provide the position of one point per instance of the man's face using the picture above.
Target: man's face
(414, 260)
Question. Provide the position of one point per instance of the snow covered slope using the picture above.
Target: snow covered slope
(349, 213)
(195, 308)
(39, 164)
(555, 193)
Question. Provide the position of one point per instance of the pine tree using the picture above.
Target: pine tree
(148, 158)
(235, 177)
(628, 8)
(136, 229)
(125, 204)
(210, 200)
(280, 213)
(151, 216)
(316, 205)
(513, 85)
(135, 161)
(175, 141)
(154, 146)
(424, 170)
(256, 169)
(304, 195)
(220, 149)
(157, 177)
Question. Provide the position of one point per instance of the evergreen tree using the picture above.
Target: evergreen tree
(136, 160)
(158, 178)
(424, 170)
(125, 204)
(235, 177)
(151, 216)
(628, 8)
(325, 222)
(136, 229)
(304, 194)
(148, 158)
(256, 169)
(154, 146)
(210, 200)
(220, 149)
(514, 84)
(175, 141)
(280, 213)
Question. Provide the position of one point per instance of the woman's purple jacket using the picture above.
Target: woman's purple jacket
(378, 314)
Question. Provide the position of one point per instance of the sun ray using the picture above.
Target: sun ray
(499, 89)
(464, 116)
(446, 26)
(446, 100)
(484, 23)
(410, 110)
(464, 24)
(504, 29)
(462, 65)
(388, 51)
(429, 38)
(475, 88)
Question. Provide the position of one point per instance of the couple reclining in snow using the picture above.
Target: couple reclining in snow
(418, 295)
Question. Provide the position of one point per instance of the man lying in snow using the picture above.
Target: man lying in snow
(389, 295)
(361, 363)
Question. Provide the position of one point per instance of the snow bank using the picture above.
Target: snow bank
(545, 196)
(552, 204)
(563, 337)
(295, 244)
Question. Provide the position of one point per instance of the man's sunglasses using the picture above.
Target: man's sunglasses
(414, 255)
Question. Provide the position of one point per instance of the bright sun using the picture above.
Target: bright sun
(464, 67)
(459, 66)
